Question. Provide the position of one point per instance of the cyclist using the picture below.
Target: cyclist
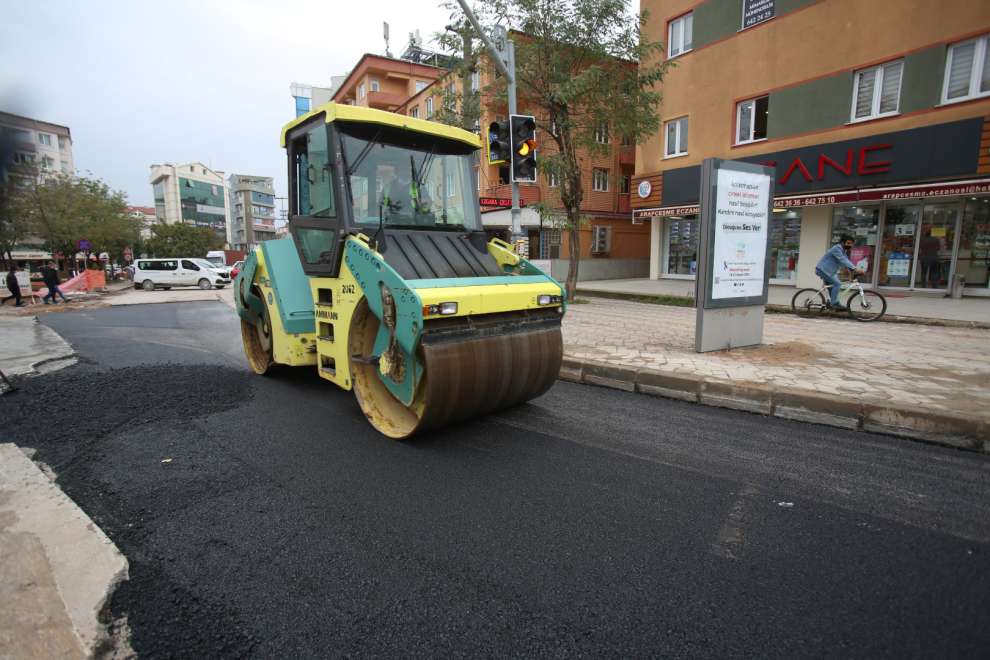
(828, 268)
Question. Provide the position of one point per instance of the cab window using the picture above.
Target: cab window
(188, 265)
(313, 174)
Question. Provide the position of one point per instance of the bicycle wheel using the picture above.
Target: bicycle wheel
(808, 302)
(867, 306)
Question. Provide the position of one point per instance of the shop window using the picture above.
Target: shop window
(681, 241)
(860, 222)
(973, 261)
(785, 241)
(751, 120)
(967, 74)
(877, 91)
(599, 180)
(676, 142)
(679, 35)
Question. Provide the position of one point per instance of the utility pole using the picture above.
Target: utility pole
(503, 53)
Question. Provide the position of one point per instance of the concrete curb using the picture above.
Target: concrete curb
(800, 405)
(781, 309)
(58, 570)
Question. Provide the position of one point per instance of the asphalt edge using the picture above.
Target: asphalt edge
(85, 564)
(914, 423)
(688, 301)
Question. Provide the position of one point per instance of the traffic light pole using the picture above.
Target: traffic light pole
(505, 62)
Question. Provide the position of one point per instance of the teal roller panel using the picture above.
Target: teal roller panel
(249, 306)
(371, 272)
(292, 294)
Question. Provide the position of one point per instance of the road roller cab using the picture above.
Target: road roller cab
(389, 285)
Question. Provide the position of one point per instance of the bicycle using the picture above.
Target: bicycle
(862, 305)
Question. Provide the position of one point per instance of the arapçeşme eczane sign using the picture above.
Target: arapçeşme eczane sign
(740, 236)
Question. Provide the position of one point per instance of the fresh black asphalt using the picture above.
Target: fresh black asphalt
(263, 517)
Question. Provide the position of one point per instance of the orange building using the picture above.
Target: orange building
(875, 114)
(611, 245)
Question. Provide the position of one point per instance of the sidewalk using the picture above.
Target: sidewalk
(975, 310)
(927, 382)
(57, 568)
(26, 346)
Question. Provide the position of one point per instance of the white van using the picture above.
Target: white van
(166, 273)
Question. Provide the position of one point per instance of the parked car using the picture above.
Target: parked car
(166, 273)
(235, 269)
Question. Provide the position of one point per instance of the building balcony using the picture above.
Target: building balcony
(623, 204)
(529, 193)
(385, 100)
(627, 155)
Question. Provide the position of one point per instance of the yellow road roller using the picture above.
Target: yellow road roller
(388, 283)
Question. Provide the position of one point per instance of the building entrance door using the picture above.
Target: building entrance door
(936, 243)
(897, 245)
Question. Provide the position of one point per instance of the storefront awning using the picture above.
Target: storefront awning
(917, 191)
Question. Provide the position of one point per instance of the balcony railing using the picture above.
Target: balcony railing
(627, 155)
(385, 100)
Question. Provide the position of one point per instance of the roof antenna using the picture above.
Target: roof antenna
(388, 53)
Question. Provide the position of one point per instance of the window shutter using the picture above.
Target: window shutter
(959, 70)
(864, 93)
(891, 90)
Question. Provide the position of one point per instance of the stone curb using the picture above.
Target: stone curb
(60, 566)
(785, 309)
(799, 405)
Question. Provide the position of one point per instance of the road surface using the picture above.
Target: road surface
(263, 517)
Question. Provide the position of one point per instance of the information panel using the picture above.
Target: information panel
(742, 203)
(757, 11)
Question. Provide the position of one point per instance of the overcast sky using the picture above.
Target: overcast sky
(141, 82)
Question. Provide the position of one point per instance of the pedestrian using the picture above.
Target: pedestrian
(49, 273)
(14, 287)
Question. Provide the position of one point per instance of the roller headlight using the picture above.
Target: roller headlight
(547, 300)
(443, 309)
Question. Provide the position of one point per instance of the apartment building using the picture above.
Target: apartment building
(146, 216)
(875, 114)
(27, 141)
(191, 193)
(611, 246)
(252, 210)
(385, 83)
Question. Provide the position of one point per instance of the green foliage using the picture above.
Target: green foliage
(582, 65)
(63, 209)
(181, 240)
(460, 105)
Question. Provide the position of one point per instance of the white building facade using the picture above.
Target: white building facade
(252, 210)
(191, 193)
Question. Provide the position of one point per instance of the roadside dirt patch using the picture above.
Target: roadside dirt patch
(782, 354)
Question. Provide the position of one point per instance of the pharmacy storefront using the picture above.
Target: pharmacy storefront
(915, 202)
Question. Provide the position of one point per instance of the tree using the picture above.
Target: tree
(63, 209)
(582, 66)
(461, 107)
(181, 240)
(14, 225)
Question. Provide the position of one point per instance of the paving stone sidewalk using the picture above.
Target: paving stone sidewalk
(933, 370)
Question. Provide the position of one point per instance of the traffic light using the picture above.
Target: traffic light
(522, 134)
(499, 147)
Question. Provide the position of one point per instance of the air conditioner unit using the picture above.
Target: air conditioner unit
(601, 239)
